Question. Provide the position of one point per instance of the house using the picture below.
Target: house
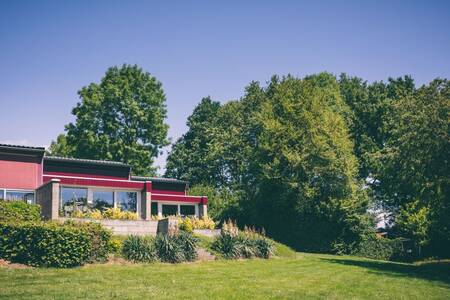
(61, 185)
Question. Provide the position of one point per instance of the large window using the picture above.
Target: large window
(187, 210)
(127, 200)
(26, 196)
(73, 199)
(102, 199)
(169, 210)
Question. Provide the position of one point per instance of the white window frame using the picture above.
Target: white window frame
(91, 189)
(5, 190)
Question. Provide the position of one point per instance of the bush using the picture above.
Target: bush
(53, 244)
(139, 249)
(188, 243)
(169, 249)
(17, 211)
(379, 248)
(185, 224)
(190, 223)
(116, 244)
(233, 244)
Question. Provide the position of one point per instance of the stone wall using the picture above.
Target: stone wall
(125, 227)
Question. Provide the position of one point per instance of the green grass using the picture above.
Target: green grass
(306, 276)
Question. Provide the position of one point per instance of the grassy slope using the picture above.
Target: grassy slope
(302, 276)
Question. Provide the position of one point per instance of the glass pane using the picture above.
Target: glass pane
(2, 194)
(154, 208)
(103, 199)
(72, 199)
(27, 196)
(187, 210)
(169, 210)
(127, 201)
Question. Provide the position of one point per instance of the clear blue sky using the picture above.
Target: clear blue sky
(49, 50)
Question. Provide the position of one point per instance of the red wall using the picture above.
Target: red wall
(20, 175)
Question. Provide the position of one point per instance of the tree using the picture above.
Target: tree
(306, 176)
(60, 147)
(122, 118)
(414, 169)
(285, 152)
(190, 158)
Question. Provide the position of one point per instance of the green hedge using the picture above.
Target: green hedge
(51, 244)
(379, 248)
(17, 211)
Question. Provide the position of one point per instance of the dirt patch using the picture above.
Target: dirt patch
(10, 265)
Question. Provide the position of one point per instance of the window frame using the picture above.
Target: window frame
(28, 191)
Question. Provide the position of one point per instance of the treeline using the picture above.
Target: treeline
(309, 160)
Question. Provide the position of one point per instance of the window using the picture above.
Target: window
(127, 201)
(187, 210)
(27, 196)
(154, 208)
(73, 198)
(102, 199)
(169, 210)
(2, 194)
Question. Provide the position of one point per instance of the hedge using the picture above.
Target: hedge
(17, 211)
(51, 244)
(379, 248)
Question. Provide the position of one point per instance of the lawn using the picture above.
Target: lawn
(303, 276)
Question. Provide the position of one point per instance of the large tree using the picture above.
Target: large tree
(285, 151)
(189, 158)
(122, 118)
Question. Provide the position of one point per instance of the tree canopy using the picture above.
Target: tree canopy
(122, 118)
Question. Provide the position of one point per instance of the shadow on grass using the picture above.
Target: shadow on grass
(434, 271)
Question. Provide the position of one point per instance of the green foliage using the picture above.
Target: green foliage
(121, 119)
(190, 223)
(174, 248)
(17, 211)
(139, 249)
(188, 244)
(54, 244)
(185, 224)
(195, 144)
(116, 245)
(221, 202)
(379, 248)
(169, 249)
(233, 244)
(285, 157)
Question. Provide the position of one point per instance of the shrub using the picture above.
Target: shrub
(53, 244)
(185, 224)
(17, 211)
(233, 244)
(379, 248)
(188, 243)
(191, 223)
(116, 245)
(139, 249)
(169, 249)
(112, 213)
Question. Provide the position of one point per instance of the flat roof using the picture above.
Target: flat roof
(158, 179)
(86, 161)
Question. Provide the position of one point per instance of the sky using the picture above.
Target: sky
(51, 49)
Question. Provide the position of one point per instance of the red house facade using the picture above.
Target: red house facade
(60, 184)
